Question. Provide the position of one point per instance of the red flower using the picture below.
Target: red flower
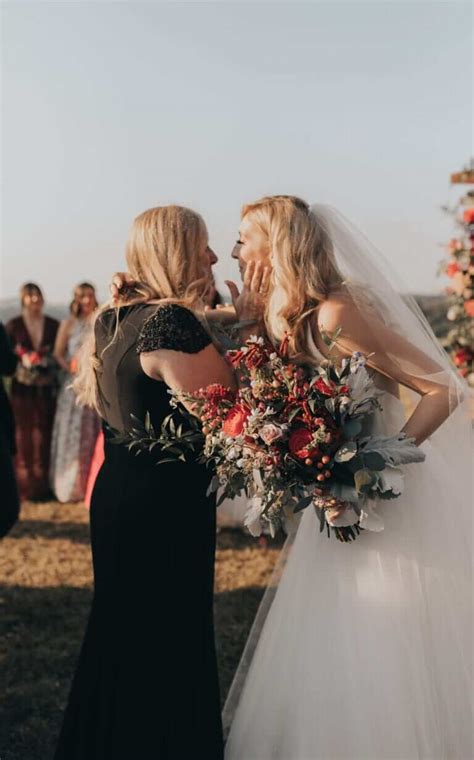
(324, 388)
(255, 357)
(462, 357)
(298, 443)
(235, 357)
(469, 215)
(469, 307)
(34, 357)
(215, 394)
(452, 269)
(344, 389)
(234, 422)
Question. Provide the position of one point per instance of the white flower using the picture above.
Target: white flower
(252, 519)
(391, 479)
(357, 360)
(344, 400)
(370, 520)
(240, 462)
(270, 433)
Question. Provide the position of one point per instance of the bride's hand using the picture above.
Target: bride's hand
(334, 514)
(122, 283)
(250, 302)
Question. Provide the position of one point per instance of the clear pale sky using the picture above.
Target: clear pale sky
(112, 107)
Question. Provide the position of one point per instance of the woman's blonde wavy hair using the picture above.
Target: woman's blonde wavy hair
(164, 255)
(304, 269)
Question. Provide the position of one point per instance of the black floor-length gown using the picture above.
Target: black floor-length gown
(146, 685)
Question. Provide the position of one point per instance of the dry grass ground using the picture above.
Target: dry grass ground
(46, 578)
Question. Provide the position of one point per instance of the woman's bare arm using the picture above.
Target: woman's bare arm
(396, 358)
(60, 346)
(188, 372)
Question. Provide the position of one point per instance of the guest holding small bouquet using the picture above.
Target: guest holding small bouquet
(33, 391)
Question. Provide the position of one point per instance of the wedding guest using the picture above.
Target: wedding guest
(33, 391)
(75, 427)
(10, 505)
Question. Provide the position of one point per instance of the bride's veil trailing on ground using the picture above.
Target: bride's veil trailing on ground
(396, 330)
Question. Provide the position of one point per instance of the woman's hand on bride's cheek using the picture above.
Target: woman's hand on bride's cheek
(121, 282)
(250, 302)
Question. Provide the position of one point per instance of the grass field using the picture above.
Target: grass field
(46, 586)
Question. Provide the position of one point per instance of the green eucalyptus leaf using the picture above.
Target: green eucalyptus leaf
(222, 497)
(294, 413)
(373, 460)
(352, 428)
(303, 503)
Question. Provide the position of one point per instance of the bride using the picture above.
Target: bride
(364, 650)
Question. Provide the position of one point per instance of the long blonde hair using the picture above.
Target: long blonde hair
(75, 306)
(164, 255)
(304, 269)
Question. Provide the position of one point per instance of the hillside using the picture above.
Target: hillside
(433, 306)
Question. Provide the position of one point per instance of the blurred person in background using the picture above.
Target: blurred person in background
(33, 391)
(10, 508)
(75, 428)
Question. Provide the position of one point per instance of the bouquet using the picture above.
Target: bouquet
(291, 437)
(34, 367)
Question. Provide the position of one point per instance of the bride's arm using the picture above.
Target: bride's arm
(396, 358)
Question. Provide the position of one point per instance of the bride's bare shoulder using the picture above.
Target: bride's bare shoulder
(336, 309)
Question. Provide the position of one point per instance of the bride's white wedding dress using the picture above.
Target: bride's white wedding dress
(365, 651)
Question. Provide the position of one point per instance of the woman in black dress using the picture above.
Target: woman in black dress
(146, 685)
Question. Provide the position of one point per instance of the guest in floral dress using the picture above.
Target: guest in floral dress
(75, 427)
(33, 392)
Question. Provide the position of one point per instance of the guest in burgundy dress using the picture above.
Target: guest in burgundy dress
(10, 507)
(33, 392)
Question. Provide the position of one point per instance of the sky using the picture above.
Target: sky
(109, 108)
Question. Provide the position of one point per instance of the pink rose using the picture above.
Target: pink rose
(270, 433)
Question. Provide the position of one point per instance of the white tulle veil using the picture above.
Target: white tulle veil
(381, 298)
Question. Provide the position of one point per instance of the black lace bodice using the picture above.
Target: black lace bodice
(124, 388)
(173, 327)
